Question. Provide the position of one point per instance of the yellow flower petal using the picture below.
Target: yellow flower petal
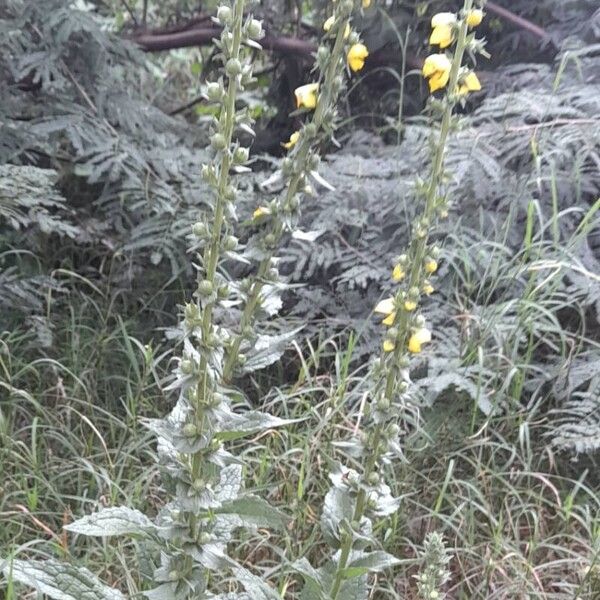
(261, 211)
(329, 24)
(470, 83)
(389, 320)
(410, 305)
(474, 17)
(385, 307)
(366, 3)
(437, 69)
(306, 95)
(398, 273)
(388, 346)
(431, 265)
(293, 140)
(417, 339)
(356, 56)
(442, 36)
(427, 288)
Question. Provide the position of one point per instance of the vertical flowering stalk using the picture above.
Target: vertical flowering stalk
(278, 217)
(207, 501)
(365, 495)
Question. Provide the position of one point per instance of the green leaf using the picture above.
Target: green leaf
(250, 510)
(338, 507)
(240, 425)
(268, 349)
(118, 520)
(60, 581)
(369, 562)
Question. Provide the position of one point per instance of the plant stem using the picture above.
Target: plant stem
(327, 99)
(414, 279)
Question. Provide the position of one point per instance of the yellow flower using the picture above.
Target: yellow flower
(306, 95)
(410, 305)
(389, 320)
(427, 288)
(437, 69)
(356, 56)
(293, 140)
(330, 22)
(398, 273)
(470, 83)
(474, 17)
(388, 346)
(417, 339)
(443, 25)
(366, 3)
(261, 211)
(431, 265)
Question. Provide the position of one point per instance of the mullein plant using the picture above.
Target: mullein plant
(204, 481)
(358, 499)
(340, 51)
(207, 502)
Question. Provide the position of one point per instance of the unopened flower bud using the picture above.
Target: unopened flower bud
(230, 243)
(200, 230)
(322, 54)
(254, 29)
(224, 15)
(218, 141)
(269, 240)
(240, 156)
(242, 359)
(198, 484)
(187, 366)
(383, 404)
(204, 538)
(233, 67)
(205, 288)
(392, 333)
(190, 430)
(173, 575)
(214, 91)
(373, 478)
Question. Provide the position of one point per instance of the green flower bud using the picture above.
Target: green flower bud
(200, 230)
(383, 404)
(242, 358)
(218, 141)
(190, 430)
(373, 478)
(413, 293)
(223, 291)
(254, 29)
(270, 240)
(404, 362)
(310, 130)
(204, 538)
(214, 91)
(224, 15)
(313, 162)
(198, 484)
(187, 366)
(393, 430)
(273, 274)
(230, 243)
(205, 288)
(322, 54)
(233, 67)
(240, 156)
(230, 192)
(392, 333)
(174, 575)
(247, 332)
(420, 321)
(355, 525)
(353, 38)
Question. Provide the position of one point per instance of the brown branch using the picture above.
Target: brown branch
(518, 21)
(152, 42)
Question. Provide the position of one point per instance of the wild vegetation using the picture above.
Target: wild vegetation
(209, 208)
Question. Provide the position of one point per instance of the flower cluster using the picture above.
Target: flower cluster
(363, 497)
(340, 47)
